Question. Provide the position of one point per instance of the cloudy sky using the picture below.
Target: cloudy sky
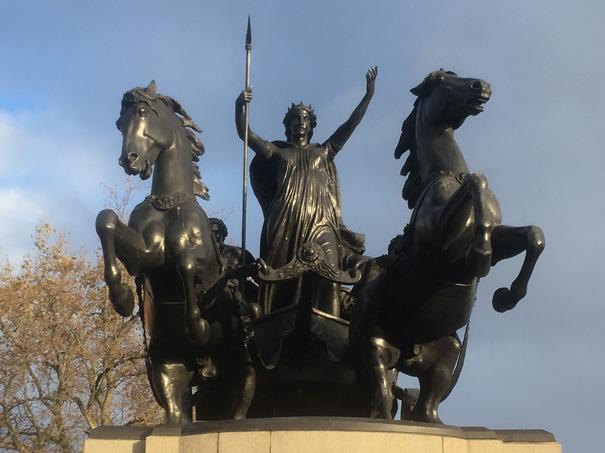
(65, 65)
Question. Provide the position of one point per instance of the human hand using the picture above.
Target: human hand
(244, 97)
(371, 79)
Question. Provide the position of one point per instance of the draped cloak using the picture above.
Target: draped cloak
(297, 188)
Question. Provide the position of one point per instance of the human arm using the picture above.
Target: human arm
(261, 147)
(338, 139)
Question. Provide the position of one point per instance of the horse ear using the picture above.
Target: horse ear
(152, 87)
(417, 90)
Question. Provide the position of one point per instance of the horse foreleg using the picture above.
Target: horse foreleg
(172, 382)
(197, 328)
(108, 225)
(243, 389)
(434, 365)
(378, 367)
(473, 195)
(454, 216)
(487, 216)
(507, 242)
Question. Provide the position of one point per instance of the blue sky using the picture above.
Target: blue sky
(67, 63)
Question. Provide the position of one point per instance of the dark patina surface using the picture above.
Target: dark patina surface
(284, 335)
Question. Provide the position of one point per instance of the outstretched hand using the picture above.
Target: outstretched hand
(244, 97)
(371, 79)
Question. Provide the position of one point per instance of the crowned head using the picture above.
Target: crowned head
(299, 122)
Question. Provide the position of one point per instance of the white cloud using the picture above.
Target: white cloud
(51, 170)
(23, 211)
(13, 140)
(48, 145)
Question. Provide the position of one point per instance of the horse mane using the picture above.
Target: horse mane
(413, 186)
(407, 142)
(197, 147)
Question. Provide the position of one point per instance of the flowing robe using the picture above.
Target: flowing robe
(297, 188)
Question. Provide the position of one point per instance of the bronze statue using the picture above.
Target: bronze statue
(412, 301)
(296, 185)
(187, 306)
(231, 254)
(318, 350)
(233, 257)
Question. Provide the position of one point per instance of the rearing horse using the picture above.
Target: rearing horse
(412, 301)
(169, 243)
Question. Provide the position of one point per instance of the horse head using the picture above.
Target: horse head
(144, 123)
(447, 100)
(149, 125)
(443, 102)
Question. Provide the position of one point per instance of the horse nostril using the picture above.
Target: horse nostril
(132, 157)
(476, 85)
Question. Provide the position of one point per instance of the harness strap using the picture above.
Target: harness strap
(169, 201)
(409, 228)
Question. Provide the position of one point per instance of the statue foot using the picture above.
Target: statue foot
(426, 415)
(380, 409)
(381, 414)
(504, 300)
(176, 418)
(239, 413)
(122, 299)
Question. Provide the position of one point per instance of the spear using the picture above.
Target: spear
(245, 169)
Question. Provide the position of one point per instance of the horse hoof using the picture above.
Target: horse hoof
(122, 299)
(426, 416)
(503, 300)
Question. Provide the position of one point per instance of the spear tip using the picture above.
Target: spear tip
(249, 35)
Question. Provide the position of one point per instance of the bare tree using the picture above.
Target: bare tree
(68, 362)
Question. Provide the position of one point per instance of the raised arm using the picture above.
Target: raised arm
(259, 146)
(342, 134)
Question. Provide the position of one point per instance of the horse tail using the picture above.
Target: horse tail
(460, 361)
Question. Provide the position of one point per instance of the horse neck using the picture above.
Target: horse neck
(173, 172)
(437, 149)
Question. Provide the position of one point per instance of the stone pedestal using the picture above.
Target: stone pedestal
(316, 435)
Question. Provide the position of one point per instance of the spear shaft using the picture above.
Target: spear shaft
(245, 169)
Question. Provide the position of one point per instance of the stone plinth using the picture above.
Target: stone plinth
(316, 435)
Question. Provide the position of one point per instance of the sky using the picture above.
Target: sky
(66, 64)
